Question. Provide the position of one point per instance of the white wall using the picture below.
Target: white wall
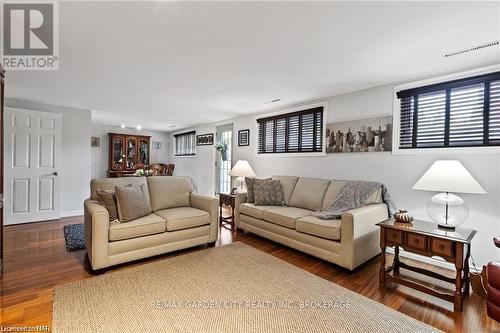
(398, 172)
(75, 168)
(100, 155)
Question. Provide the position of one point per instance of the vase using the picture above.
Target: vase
(223, 155)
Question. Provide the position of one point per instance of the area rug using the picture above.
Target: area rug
(74, 236)
(234, 288)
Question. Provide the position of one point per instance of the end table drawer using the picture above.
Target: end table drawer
(416, 241)
(394, 236)
(442, 247)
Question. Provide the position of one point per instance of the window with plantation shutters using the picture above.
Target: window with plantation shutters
(295, 132)
(459, 113)
(185, 144)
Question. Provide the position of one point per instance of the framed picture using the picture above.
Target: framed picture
(244, 137)
(205, 139)
(360, 136)
(157, 145)
(95, 142)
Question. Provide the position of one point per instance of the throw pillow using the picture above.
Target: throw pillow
(250, 182)
(107, 198)
(132, 202)
(268, 192)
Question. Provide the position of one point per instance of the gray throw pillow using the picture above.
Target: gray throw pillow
(132, 202)
(107, 198)
(268, 192)
(250, 182)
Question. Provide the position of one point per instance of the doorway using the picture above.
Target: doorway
(32, 165)
(223, 166)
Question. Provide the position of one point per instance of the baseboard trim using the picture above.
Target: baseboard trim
(72, 213)
(427, 260)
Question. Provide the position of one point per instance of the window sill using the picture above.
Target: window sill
(449, 151)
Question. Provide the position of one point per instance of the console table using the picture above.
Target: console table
(427, 239)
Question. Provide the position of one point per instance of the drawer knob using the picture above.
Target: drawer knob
(441, 246)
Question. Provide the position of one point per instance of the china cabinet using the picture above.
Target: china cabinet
(127, 150)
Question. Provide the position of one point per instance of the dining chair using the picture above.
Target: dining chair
(158, 169)
(169, 169)
(139, 166)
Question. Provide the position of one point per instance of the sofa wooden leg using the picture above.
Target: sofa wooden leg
(211, 244)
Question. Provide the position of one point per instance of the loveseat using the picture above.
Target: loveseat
(179, 219)
(347, 242)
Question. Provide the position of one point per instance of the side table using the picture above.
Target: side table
(227, 200)
(427, 239)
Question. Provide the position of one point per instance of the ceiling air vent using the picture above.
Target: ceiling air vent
(473, 48)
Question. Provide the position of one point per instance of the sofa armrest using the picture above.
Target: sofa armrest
(210, 205)
(359, 234)
(239, 198)
(96, 226)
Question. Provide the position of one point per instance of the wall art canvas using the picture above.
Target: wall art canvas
(205, 139)
(364, 135)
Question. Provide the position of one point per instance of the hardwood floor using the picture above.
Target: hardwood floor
(36, 261)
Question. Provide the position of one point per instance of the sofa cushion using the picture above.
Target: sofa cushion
(309, 193)
(250, 183)
(268, 193)
(144, 226)
(169, 192)
(285, 216)
(183, 217)
(255, 211)
(287, 185)
(329, 229)
(132, 202)
(110, 183)
(107, 198)
(331, 193)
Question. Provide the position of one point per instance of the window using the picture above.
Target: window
(296, 132)
(185, 144)
(459, 113)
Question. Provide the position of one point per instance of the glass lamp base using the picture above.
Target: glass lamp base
(448, 210)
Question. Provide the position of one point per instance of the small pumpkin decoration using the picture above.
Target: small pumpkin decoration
(403, 216)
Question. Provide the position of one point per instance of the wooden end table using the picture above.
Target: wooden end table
(427, 239)
(228, 200)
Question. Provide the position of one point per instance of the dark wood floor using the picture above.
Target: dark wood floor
(36, 260)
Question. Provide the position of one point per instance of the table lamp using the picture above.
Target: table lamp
(241, 170)
(447, 176)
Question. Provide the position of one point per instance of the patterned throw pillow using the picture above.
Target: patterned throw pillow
(250, 187)
(132, 202)
(107, 198)
(268, 192)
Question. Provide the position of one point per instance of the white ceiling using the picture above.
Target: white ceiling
(182, 63)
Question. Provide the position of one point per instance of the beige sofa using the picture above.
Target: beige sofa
(348, 242)
(180, 219)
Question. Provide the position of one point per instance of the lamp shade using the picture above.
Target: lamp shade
(242, 169)
(448, 176)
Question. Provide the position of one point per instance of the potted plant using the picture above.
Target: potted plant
(222, 148)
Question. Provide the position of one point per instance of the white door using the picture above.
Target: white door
(32, 163)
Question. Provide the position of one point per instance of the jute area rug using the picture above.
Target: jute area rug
(234, 288)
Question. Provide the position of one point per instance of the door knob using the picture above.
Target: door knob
(55, 173)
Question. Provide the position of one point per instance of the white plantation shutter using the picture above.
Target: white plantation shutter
(459, 113)
(185, 144)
